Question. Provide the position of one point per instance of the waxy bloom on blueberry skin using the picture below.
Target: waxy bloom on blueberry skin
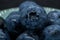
(33, 16)
(26, 4)
(11, 20)
(53, 16)
(52, 32)
(26, 36)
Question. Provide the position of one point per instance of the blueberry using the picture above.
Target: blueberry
(26, 4)
(12, 20)
(53, 16)
(32, 16)
(13, 25)
(52, 32)
(26, 36)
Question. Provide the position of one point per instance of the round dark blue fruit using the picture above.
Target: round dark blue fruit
(33, 16)
(13, 25)
(26, 36)
(53, 16)
(52, 32)
(12, 20)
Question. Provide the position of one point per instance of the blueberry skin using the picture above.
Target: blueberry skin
(53, 16)
(33, 16)
(11, 20)
(26, 36)
(26, 4)
(52, 32)
(4, 35)
(57, 22)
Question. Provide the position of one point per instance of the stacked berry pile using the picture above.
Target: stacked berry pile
(31, 22)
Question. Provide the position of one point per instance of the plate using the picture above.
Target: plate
(6, 12)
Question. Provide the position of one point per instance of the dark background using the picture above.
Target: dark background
(5, 4)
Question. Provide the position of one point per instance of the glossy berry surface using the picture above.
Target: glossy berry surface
(30, 22)
(57, 22)
(32, 16)
(26, 4)
(52, 32)
(12, 20)
(26, 36)
(53, 16)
